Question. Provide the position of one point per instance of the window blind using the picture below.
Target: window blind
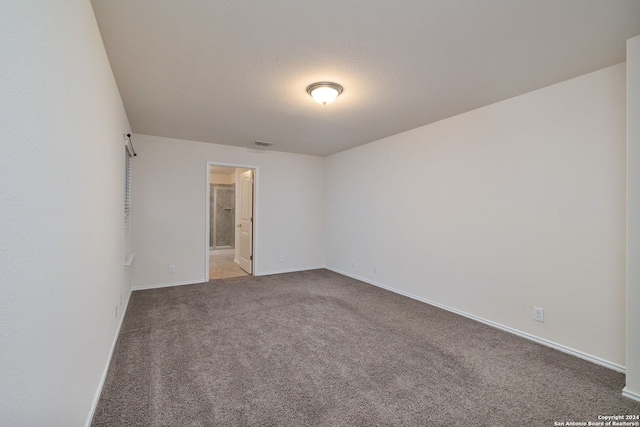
(127, 206)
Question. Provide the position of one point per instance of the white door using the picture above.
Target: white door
(246, 221)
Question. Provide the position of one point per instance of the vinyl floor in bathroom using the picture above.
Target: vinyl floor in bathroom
(222, 266)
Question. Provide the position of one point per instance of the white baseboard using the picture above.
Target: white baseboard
(291, 270)
(166, 285)
(560, 347)
(96, 398)
(630, 394)
(228, 251)
(193, 282)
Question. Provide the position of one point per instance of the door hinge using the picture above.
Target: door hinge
(250, 257)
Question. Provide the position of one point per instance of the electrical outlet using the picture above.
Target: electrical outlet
(172, 269)
(281, 258)
(353, 263)
(538, 314)
(375, 268)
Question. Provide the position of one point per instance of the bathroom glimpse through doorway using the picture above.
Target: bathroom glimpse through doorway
(230, 225)
(222, 216)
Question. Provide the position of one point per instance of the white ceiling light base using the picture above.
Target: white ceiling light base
(324, 92)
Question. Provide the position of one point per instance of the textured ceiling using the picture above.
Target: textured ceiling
(232, 72)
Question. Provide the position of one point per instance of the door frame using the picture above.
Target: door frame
(207, 199)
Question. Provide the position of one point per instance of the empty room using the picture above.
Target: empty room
(428, 213)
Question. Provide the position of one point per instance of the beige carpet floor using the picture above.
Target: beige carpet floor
(316, 348)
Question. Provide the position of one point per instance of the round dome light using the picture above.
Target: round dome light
(324, 92)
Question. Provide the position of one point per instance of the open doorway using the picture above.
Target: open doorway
(230, 227)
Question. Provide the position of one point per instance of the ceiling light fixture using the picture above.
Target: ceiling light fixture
(324, 92)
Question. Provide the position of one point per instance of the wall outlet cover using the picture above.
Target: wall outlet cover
(538, 314)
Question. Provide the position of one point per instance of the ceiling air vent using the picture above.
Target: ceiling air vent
(263, 144)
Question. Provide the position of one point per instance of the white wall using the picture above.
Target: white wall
(632, 388)
(61, 212)
(169, 189)
(492, 212)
